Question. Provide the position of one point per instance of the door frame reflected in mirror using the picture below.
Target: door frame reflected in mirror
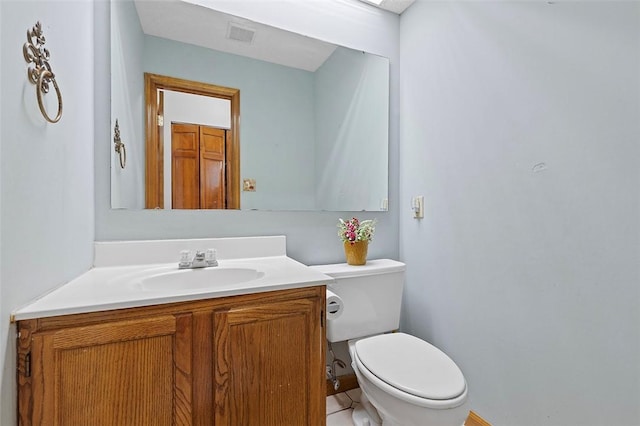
(154, 158)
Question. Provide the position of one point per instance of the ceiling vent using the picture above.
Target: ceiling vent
(238, 33)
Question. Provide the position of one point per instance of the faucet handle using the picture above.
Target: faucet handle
(210, 257)
(185, 259)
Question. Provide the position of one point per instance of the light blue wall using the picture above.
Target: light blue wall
(4, 331)
(46, 170)
(351, 93)
(127, 105)
(526, 276)
(311, 236)
(276, 110)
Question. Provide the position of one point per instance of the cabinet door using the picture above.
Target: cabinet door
(269, 365)
(185, 166)
(134, 372)
(212, 168)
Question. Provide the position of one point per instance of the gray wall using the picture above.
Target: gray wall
(311, 236)
(46, 170)
(527, 277)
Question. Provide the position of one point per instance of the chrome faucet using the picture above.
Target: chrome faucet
(199, 260)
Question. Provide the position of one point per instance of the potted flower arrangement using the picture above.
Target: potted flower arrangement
(355, 235)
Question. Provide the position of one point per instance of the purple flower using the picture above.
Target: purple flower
(355, 230)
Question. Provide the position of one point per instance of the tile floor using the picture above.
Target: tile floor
(340, 406)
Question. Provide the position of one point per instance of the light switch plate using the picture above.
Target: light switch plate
(417, 205)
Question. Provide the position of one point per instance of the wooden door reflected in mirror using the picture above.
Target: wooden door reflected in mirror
(198, 159)
(205, 161)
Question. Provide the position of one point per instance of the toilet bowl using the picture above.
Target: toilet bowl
(405, 381)
(408, 381)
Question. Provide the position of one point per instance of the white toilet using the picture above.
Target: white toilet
(404, 380)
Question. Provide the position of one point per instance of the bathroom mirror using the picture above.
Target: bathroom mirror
(312, 120)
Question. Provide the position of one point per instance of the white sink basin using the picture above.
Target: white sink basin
(129, 274)
(194, 279)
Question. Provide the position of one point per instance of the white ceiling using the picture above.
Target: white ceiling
(201, 26)
(395, 6)
(205, 27)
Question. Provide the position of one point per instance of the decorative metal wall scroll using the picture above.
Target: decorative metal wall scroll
(41, 74)
(119, 146)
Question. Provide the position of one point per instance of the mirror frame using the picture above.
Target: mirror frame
(154, 158)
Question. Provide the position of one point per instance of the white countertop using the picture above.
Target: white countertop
(113, 287)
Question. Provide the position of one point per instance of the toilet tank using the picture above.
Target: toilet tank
(371, 295)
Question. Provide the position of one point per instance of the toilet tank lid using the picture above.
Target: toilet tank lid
(411, 365)
(372, 267)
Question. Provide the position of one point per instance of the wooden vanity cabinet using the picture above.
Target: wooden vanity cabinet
(254, 359)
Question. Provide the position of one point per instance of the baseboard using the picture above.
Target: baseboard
(347, 382)
(475, 420)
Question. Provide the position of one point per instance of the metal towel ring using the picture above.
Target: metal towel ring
(43, 87)
(119, 146)
(41, 74)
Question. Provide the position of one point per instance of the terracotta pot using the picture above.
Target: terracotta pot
(356, 253)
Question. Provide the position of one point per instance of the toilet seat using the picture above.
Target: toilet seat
(411, 369)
